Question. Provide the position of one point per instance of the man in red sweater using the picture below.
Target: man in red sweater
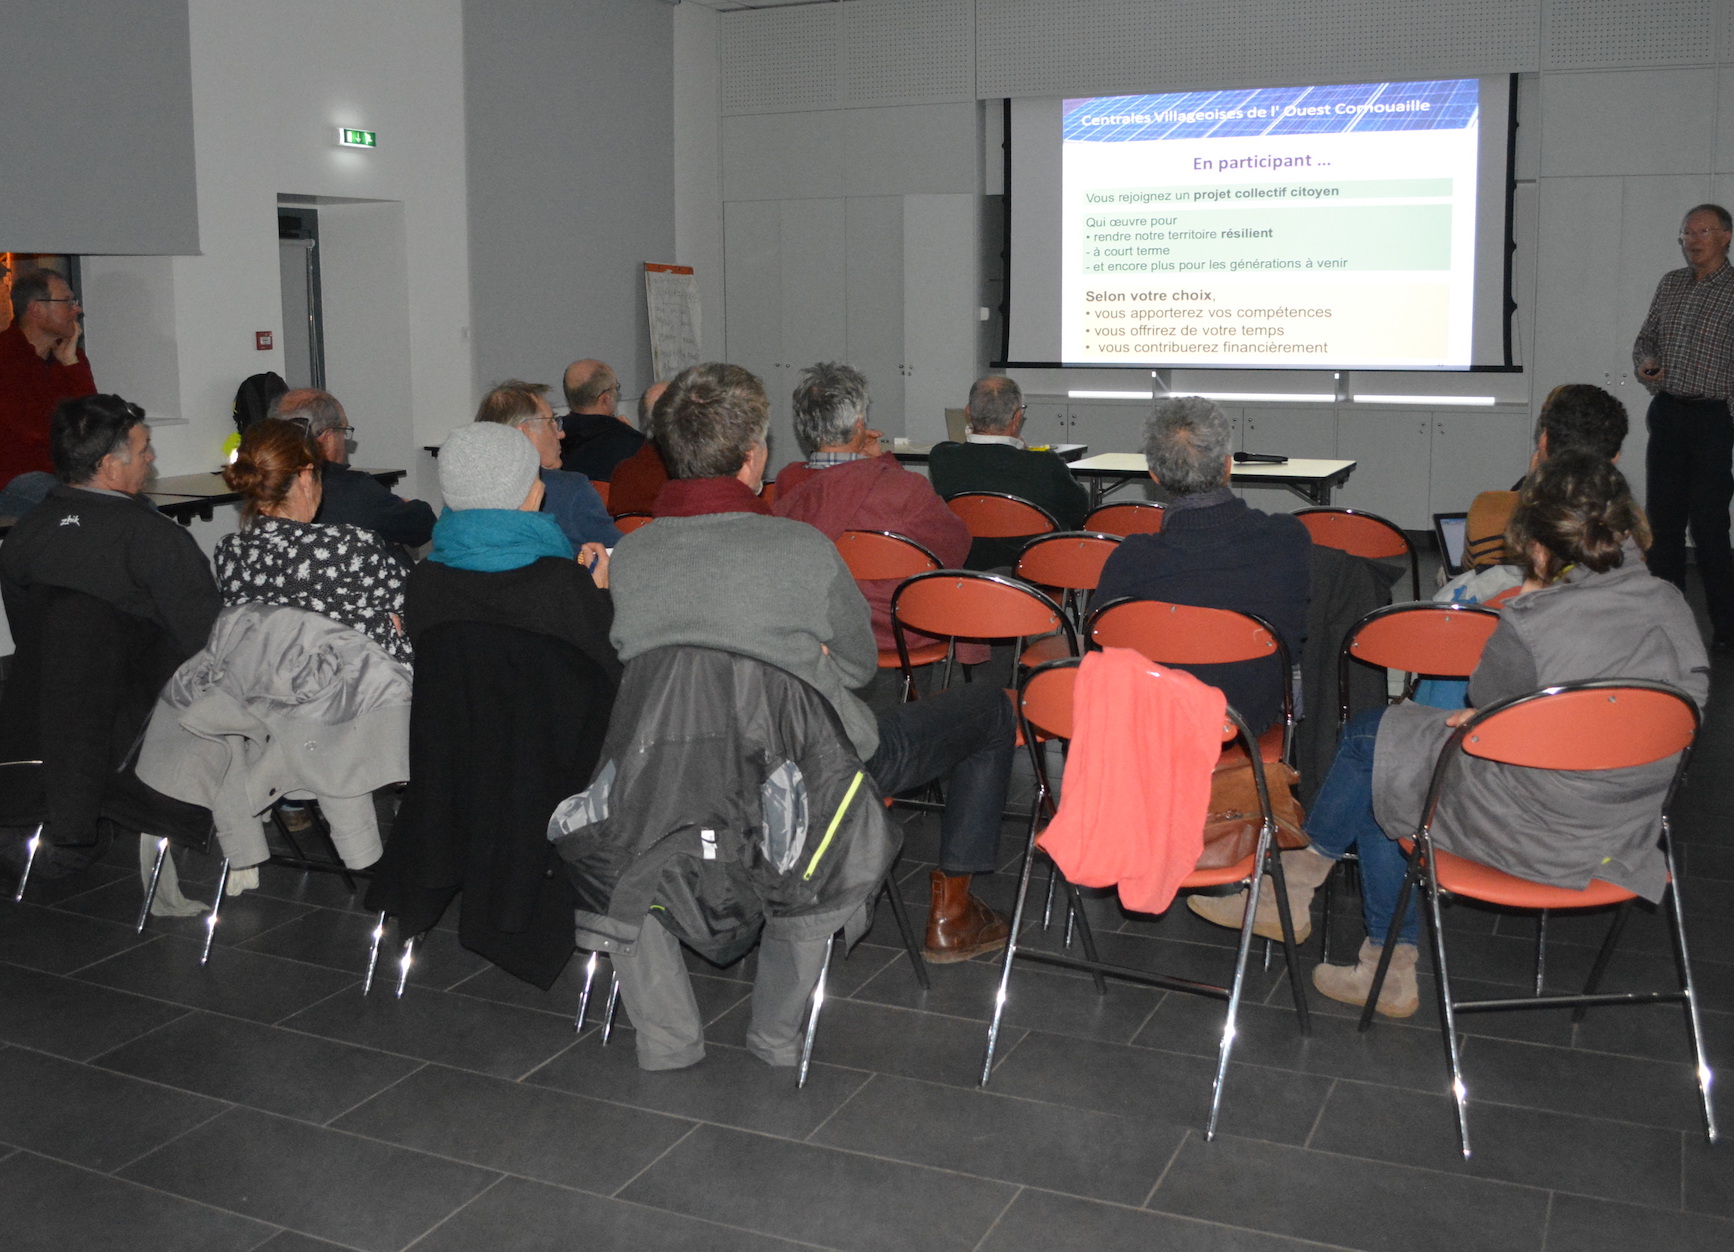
(40, 365)
(846, 483)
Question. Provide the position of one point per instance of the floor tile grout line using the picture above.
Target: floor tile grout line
(460, 1208)
(1189, 1218)
(842, 1104)
(1547, 1223)
(227, 1108)
(690, 1131)
(1318, 1120)
(93, 1060)
(404, 1077)
(997, 1218)
(1168, 1165)
(522, 1078)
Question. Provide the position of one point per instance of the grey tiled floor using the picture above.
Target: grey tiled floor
(262, 1102)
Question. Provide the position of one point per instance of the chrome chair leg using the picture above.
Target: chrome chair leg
(30, 846)
(1677, 916)
(584, 994)
(813, 1013)
(613, 1004)
(1447, 1009)
(144, 910)
(1540, 950)
(1291, 949)
(403, 964)
(211, 917)
(1011, 943)
(373, 953)
(1231, 1020)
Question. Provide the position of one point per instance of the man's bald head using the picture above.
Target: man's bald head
(590, 387)
(647, 407)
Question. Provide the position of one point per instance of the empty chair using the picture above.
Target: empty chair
(1070, 562)
(1360, 533)
(997, 522)
(1137, 517)
(878, 556)
(967, 604)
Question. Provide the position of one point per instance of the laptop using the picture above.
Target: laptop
(1452, 532)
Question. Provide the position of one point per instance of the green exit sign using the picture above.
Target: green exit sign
(348, 138)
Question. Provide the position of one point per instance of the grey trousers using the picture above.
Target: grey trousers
(665, 1015)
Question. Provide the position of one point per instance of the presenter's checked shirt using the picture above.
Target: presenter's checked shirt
(1690, 330)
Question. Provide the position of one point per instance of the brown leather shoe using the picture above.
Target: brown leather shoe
(960, 926)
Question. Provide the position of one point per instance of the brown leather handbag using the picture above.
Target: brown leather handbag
(1231, 826)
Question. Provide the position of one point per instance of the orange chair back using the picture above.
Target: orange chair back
(1359, 534)
(1127, 519)
(995, 515)
(975, 606)
(1598, 725)
(1045, 698)
(626, 523)
(1071, 560)
(1442, 640)
(876, 555)
(601, 490)
(1181, 634)
(768, 493)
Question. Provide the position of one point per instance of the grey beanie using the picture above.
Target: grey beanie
(487, 466)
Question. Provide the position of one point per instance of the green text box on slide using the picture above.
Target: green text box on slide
(1322, 237)
(1156, 199)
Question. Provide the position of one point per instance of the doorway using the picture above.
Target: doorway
(303, 317)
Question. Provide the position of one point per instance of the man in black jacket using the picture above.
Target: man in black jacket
(95, 534)
(593, 440)
(352, 495)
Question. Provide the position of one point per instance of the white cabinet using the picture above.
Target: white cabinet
(873, 240)
(1106, 427)
(1392, 449)
(1475, 452)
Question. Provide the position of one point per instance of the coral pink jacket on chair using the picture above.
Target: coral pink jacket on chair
(1137, 783)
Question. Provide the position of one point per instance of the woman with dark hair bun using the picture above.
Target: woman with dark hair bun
(282, 556)
(1589, 608)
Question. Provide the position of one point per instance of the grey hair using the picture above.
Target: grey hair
(993, 402)
(512, 403)
(319, 410)
(1723, 218)
(1185, 442)
(829, 399)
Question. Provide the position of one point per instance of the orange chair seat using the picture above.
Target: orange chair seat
(1461, 876)
(921, 654)
(1047, 648)
(1238, 872)
(1269, 747)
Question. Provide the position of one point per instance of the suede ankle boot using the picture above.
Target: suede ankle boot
(960, 926)
(1351, 984)
(1303, 869)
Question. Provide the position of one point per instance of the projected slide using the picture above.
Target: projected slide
(1294, 227)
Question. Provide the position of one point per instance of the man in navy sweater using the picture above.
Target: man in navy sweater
(1215, 552)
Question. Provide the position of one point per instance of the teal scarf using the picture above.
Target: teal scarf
(491, 540)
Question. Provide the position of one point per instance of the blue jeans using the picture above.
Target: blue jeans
(1342, 820)
(968, 732)
(24, 492)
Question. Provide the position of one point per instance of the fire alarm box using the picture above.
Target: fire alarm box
(262, 340)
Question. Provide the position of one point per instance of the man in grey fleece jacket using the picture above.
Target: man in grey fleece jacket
(716, 571)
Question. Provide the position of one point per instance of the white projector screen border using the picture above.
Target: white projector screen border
(1033, 204)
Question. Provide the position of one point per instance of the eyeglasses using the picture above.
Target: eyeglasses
(1706, 232)
(345, 431)
(58, 300)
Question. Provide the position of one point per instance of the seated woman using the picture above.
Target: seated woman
(515, 680)
(282, 556)
(1589, 608)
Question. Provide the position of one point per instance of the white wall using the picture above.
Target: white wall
(271, 84)
(698, 218)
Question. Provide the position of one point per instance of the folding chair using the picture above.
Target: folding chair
(881, 555)
(1360, 533)
(24, 802)
(1184, 634)
(1600, 724)
(626, 523)
(1422, 640)
(967, 604)
(1071, 562)
(1000, 515)
(601, 491)
(1131, 518)
(1045, 708)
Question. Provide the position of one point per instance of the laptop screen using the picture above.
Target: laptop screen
(1452, 530)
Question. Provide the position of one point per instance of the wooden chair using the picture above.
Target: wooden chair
(1602, 724)
(1045, 711)
(1360, 533)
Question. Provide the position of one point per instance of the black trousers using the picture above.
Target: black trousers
(1690, 482)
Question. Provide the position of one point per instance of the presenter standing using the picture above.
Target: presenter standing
(1685, 356)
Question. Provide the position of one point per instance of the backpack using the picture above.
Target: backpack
(254, 396)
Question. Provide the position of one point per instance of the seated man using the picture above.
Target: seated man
(567, 494)
(353, 496)
(1216, 552)
(847, 484)
(714, 571)
(640, 476)
(1574, 417)
(595, 440)
(995, 459)
(95, 534)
